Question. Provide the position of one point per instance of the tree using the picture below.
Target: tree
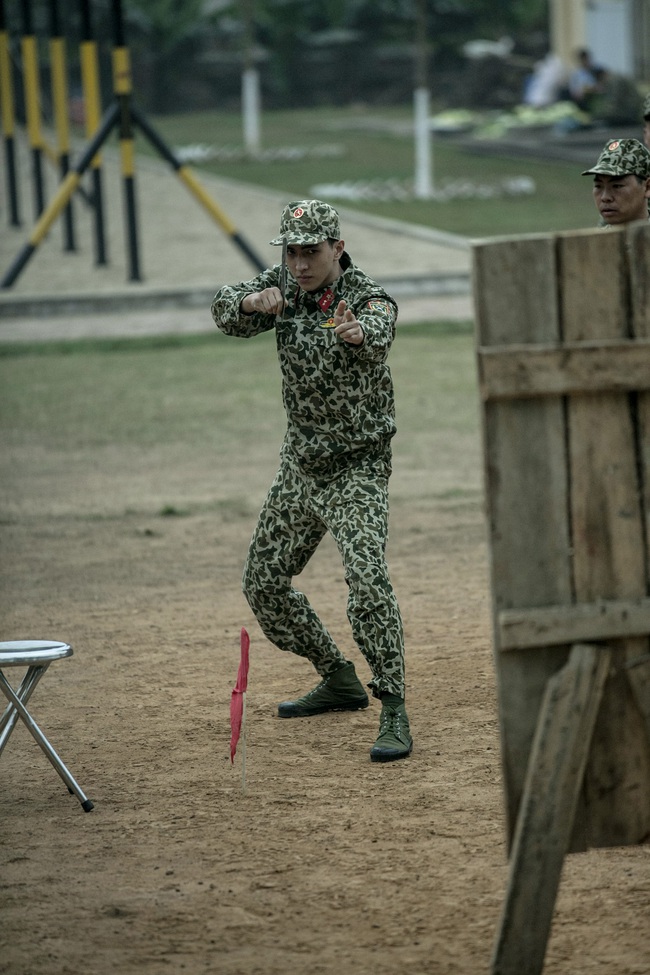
(165, 36)
(309, 52)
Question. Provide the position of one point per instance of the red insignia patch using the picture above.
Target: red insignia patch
(298, 212)
(612, 146)
(326, 300)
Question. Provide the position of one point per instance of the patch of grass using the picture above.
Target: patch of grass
(147, 343)
(141, 394)
(378, 145)
(141, 343)
(222, 397)
(440, 327)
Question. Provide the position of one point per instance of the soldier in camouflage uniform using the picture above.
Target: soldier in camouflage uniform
(622, 182)
(334, 327)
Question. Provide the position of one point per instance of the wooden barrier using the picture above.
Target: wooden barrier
(563, 349)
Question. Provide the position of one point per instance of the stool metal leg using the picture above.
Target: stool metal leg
(42, 741)
(24, 692)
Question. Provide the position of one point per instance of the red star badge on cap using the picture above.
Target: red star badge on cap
(298, 212)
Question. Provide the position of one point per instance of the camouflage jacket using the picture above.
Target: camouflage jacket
(338, 397)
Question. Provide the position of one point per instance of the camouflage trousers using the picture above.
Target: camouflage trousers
(295, 517)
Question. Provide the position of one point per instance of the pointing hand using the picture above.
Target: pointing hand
(347, 325)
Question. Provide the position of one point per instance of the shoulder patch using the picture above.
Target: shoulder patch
(375, 304)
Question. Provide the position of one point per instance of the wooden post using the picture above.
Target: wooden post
(546, 814)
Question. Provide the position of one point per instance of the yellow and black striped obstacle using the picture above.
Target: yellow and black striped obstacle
(121, 115)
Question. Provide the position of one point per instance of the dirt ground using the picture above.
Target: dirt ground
(321, 862)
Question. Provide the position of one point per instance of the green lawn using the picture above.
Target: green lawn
(377, 145)
(190, 399)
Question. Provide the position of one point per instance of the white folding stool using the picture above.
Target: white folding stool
(36, 655)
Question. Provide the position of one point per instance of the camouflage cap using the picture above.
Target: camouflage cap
(622, 157)
(646, 107)
(308, 222)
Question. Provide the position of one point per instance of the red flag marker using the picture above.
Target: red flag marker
(238, 700)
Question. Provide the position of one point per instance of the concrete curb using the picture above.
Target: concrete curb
(46, 305)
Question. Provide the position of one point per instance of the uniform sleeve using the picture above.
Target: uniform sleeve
(226, 306)
(378, 317)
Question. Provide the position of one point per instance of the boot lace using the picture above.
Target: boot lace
(390, 723)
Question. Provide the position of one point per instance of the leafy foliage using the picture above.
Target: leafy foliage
(324, 53)
(166, 24)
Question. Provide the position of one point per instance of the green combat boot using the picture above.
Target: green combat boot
(341, 691)
(394, 739)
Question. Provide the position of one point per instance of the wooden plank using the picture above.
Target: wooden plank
(639, 260)
(593, 286)
(521, 371)
(637, 666)
(638, 242)
(606, 516)
(526, 486)
(606, 513)
(514, 290)
(577, 623)
(607, 530)
(546, 814)
(616, 787)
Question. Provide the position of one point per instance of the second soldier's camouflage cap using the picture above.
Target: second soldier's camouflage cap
(308, 222)
(622, 157)
(646, 107)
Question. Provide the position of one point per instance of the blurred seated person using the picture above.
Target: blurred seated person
(615, 99)
(582, 82)
(543, 86)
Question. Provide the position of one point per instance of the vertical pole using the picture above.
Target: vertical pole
(8, 120)
(33, 104)
(123, 89)
(60, 103)
(423, 168)
(92, 115)
(250, 84)
(251, 110)
(423, 182)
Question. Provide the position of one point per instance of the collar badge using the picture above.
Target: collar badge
(326, 300)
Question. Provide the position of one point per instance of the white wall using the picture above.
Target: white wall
(617, 31)
(609, 37)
